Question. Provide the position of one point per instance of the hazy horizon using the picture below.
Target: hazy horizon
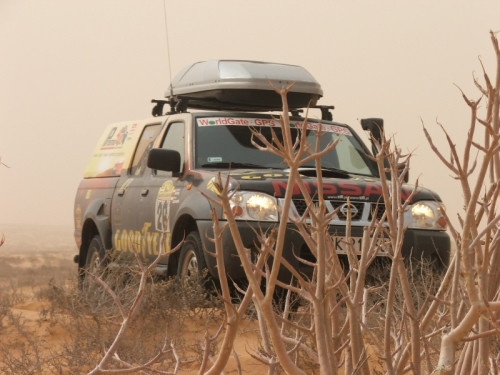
(70, 68)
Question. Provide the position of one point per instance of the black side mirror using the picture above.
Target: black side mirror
(376, 128)
(164, 160)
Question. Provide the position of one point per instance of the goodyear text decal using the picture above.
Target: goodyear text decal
(144, 242)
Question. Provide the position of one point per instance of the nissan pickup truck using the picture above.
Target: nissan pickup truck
(146, 184)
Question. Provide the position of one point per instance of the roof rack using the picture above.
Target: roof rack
(181, 106)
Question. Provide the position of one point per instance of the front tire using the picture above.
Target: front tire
(192, 263)
(197, 285)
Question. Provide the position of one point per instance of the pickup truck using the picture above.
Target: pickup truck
(145, 186)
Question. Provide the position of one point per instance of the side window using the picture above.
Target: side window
(174, 140)
(145, 143)
(350, 158)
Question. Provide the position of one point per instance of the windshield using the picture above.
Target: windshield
(226, 142)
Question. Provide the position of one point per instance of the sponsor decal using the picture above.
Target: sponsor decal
(262, 176)
(214, 186)
(166, 191)
(111, 153)
(258, 122)
(117, 136)
(211, 121)
(214, 159)
(167, 194)
(258, 175)
(145, 242)
(337, 190)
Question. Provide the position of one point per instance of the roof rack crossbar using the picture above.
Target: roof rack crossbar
(176, 106)
(326, 113)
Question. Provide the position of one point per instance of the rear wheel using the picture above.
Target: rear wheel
(94, 262)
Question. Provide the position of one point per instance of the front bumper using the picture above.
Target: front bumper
(418, 244)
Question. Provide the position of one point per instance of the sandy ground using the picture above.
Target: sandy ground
(35, 258)
(32, 258)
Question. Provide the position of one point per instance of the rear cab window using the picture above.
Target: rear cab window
(139, 162)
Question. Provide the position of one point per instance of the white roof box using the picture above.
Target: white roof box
(243, 85)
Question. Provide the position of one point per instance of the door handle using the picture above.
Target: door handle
(121, 192)
(144, 192)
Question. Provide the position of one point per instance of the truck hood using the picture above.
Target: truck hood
(274, 182)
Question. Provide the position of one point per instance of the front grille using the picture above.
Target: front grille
(377, 210)
(300, 206)
(358, 210)
(343, 209)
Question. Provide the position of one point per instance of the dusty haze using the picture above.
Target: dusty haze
(67, 68)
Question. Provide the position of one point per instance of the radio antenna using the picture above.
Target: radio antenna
(168, 46)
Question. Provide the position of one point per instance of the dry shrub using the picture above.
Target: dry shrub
(89, 319)
(22, 348)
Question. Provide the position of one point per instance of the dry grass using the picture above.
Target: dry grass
(56, 327)
(48, 325)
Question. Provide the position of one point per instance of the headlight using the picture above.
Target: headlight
(247, 205)
(426, 215)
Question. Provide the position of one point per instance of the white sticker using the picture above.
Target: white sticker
(214, 159)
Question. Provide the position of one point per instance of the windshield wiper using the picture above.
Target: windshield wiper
(233, 164)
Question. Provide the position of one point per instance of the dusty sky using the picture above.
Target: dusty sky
(68, 68)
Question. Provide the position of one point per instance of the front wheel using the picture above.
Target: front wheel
(196, 284)
(192, 263)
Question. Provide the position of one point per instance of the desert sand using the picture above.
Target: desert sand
(36, 335)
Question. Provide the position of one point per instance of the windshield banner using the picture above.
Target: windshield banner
(269, 122)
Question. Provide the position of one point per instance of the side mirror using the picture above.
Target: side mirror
(164, 160)
(376, 128)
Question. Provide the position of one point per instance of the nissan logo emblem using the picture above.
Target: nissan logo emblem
(346, 207)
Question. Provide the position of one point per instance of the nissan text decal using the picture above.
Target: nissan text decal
(269, 122)
(339, 189)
